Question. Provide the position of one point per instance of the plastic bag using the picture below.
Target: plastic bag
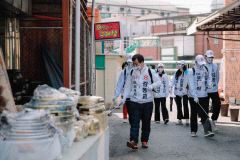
(81, 130)
(46, 93)
(89, 100)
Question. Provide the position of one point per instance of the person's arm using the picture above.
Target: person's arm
(192, 87)
(119, 87)
(173, 81)
(217, 74)
(156, 80)
(127, 88)
(167, 85)
(185, 81)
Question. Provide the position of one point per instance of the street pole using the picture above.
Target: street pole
(92, 46)
(126, 31)
(77, 47)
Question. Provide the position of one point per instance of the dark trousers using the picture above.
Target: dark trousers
(178, 101)
(216, 104)
(162, 102)
(171, 103)
(197, 111)
(137, 112)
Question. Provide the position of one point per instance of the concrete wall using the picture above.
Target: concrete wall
(113, 68)
(106, 80)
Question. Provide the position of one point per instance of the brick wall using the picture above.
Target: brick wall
(162, 28)
(153, 53)
(231, 52)
(201, 43)
(232, 67)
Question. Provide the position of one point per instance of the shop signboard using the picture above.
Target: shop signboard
(107, 31)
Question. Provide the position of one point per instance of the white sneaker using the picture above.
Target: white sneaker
(125, 120)
(187, 122)
(209, 134)
(213, 125)
(157, 121)
(193, 134)
(179, 122)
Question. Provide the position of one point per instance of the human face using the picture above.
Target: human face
(209, 60)
(179, 65)
(137, 66)
(160, 69)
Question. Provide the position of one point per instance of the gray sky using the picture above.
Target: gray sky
(196, 6)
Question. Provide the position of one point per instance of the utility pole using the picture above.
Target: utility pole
(92, 46)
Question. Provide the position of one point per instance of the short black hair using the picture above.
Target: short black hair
(153, 66)
(139, 57)
(124, 64)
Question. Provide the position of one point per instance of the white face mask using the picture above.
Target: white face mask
(179, 66)
(137, 68)
(209, 60)
(160, 70)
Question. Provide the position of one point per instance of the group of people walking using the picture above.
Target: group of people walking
(142, 87)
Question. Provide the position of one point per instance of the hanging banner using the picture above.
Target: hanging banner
(107, 31)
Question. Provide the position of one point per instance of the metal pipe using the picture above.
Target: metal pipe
(77, 47)
(41, 27)
(92, 45)
(70, 42)
(85, 58)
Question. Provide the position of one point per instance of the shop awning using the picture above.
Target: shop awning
(225, 19)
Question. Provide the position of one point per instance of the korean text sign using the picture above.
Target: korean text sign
(104, 31)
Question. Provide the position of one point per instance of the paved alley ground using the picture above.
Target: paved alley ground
(173, 142)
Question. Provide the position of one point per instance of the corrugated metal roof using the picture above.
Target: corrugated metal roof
(148, 4)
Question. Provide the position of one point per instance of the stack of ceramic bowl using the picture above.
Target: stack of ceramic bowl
(28, 124)
(29, 135)
(61, 107)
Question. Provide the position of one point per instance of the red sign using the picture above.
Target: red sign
(105, 31)
(146, 77)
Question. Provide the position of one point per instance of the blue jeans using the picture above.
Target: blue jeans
(137, 112)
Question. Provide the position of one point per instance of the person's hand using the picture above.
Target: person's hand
(114, 99)
(122, 102)
(210, 86)
(196, 100)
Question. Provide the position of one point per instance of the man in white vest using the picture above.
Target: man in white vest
(139, 87)
(213, 86)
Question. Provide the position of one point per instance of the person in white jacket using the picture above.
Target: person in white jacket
(161, 94)
(121, 84)
(139, 87)
(213, 86)
(198, 81)
(179, 83)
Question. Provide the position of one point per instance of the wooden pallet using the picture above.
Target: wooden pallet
(6, 92)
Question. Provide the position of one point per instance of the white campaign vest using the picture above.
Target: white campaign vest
(163, 90)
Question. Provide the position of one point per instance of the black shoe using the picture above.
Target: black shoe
(144, 145)
(166, 121)
(208, 134)
(132, 145)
